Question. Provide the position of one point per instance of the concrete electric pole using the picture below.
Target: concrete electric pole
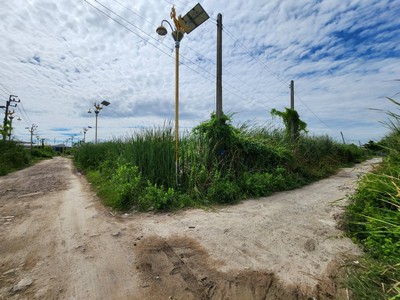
(292, 133)
(11, 99)
(219, 67)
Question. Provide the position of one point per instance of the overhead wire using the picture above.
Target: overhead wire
(150, 43)
(153, 45)
(276, 75)
(189, 60)
(19, 107)
(4, 92)
(183, 63)
(5, 87)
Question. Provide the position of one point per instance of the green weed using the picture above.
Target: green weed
(218, 163)
(373, 220)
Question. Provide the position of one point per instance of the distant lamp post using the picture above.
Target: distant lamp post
(97, 108)
(85, 129)
(187, 24)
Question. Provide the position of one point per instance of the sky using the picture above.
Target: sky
(60, 57)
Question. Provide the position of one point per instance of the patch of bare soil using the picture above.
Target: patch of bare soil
(180, 268)
(58, 242)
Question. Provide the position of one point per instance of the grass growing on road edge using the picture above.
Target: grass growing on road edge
(15, 157)
(373, 219)
(218, 164)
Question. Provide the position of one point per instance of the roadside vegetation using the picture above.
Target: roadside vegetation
(218, 164)
(373, 220)
(14, 156)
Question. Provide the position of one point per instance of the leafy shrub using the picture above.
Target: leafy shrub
(350, 153)
(46, 152)
(218, 163)
(223, 190)
(257, 184)
(12, 157)
(156, 198)
(128, 185)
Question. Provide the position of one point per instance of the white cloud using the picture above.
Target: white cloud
(60, 57)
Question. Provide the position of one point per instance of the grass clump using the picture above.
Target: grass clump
(14, 156)
(373, 220)
(218, 164)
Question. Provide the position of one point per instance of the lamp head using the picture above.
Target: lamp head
(161, 30)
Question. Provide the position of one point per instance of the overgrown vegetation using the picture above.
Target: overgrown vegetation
(291, 119)
(373, 219)
(218, 164)
(14, 156)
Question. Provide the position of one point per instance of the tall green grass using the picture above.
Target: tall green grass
(218, 163)
(373, 219)
(14, 156)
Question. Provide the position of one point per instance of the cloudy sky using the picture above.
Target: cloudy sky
(61, 56)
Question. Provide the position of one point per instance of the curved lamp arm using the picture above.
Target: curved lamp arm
(161, 30)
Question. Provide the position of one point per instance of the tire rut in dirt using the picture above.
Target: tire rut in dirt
(180, 268)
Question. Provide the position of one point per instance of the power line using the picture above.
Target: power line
(180, 7)
(25, 113)
(130, 23)
(232, 36)
(189, 60)
(252, 100)
(7, 90)
(276, 75)
(166, 53)
(208, 72)
(4, 93)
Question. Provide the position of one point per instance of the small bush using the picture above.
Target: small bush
(218, 163)
(12, 157)
(257, 184)
(157, 198)
(128, 185)
(223, 191)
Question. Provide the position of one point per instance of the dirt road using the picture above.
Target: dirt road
(58, 242)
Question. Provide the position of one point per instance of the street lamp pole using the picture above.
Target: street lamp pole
(84, 134)
(189, 22)
(177, 43)
(97, 108)
(97, 116)
(177, 35)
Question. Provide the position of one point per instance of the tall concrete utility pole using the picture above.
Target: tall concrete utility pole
(292, 133)
(344, 142)
(292, 95)
(219, 67)
(12, 98)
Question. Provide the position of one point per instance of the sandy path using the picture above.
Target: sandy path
(58, 239)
